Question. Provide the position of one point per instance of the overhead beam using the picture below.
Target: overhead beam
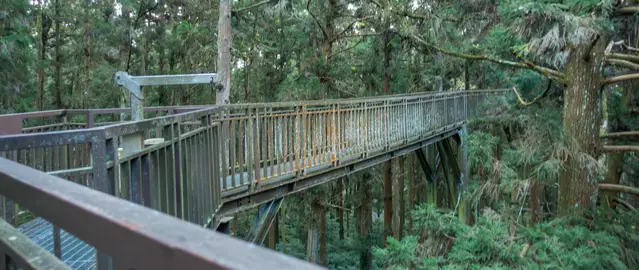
(133, 84)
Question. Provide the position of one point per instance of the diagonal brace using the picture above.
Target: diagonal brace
(430, 174)
(263, 221)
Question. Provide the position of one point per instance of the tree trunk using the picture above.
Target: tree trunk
(581, 123)
(398, 189)
(388, 201)
(86, 78)
(402, 211)
(58, 63)
(365, 222)
(41, 45)
(224, 41)
(272, 234)
(340, 210)
(467, 75)
(283, 234)
(411, 192)
(387, 170)
(322, 236)
(314, 230)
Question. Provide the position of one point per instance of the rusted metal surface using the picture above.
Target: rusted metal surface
(134, 236)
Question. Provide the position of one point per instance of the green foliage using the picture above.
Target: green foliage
(493, 243)
(397, 254)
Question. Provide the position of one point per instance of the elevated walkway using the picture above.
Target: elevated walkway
(213, 161)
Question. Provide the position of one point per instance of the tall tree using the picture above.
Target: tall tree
(58, 56)
(224, 41)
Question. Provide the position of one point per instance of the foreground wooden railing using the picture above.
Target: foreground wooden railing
(134, 237)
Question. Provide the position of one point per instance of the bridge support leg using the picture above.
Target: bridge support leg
(456, 179)
(265, 217)
(429, 162)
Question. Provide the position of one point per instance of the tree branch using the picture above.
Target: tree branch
(623, 63)
(550, 73)
(360, 35)
(619, 188)
(308, 3)
(621, 78)
(620, 148)
(525, 103)
(621, 134)
(250, 6)
(346, 49)
(349, 26)
(556, 75)
(622, 44)
(411, 15)
(622, 56)
(626, 11)
(624, 203)
(336, 206)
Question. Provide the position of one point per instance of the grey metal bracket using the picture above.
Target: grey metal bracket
(134, 142)
(133, 84)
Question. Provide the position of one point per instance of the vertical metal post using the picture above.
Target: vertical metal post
(101, 183)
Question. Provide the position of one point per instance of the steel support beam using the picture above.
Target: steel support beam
(430, 173)
(263, 221)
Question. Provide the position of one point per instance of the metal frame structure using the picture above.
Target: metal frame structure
(134, 142)
(134, 85)
(218, 160)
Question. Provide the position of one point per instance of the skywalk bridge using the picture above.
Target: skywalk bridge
(74, 181)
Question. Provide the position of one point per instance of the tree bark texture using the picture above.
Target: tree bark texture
(365, 223)
(340, 210)
(41, 47)
(224, 41)
(272, 233)
(398, 190)
(581, 123)
(86, 78)
(402, 205)
(411, 191)
(58, 62)
(312, 248)
(388, 201)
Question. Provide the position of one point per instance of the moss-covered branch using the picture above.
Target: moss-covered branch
(619, 188)
(622, 56)
(550, 73)
(528, 103)
(625, 11)
(621, 78)
(250, 6)
(620, 134)
(412, 15)
(308, 3)
(623, 63)
(620, 148)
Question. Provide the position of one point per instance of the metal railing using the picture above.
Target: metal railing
(134, 237)
(203, 154)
